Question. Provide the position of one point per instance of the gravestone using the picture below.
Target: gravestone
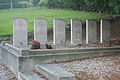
(59, 31)
(76, 31)
(104, 31)
(20, 37)
(91, 31)
(40, 31)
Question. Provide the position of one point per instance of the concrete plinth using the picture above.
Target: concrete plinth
(54, 72)
(58, 31)
(0, 53)
(29, 75)
(20, 37)
(22, 60)
(40, 31)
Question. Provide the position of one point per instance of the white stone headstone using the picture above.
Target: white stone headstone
(59, 31)
(104, 31)
(91, 31)
(20, 37)
(76, 30)
(40, 31)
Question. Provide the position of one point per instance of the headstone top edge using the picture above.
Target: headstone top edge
(91, 19)
(105, 20)
(59, 19)
(40, 19)
(77, 19)
(20, 18)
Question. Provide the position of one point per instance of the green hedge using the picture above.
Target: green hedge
(104, 6)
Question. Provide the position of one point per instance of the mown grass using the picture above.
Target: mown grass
(6, 17)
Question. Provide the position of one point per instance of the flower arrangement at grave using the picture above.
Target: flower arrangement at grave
(115, 41)
(48, 46)
(79, 44)
(61, 41)
(35, 45)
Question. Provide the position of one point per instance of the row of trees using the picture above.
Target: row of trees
(5, 4)
(104, 6)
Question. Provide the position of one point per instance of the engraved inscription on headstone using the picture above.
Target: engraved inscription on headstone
(76, 30)
(59, 31)
(40, 31)
(91, 31)
(20, 37)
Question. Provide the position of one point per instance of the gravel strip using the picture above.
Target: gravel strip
(5, 73)
(97, 68)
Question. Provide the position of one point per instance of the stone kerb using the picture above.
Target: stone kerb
(0, 53)
(91, 31)
(76, 30)
(40, 31)
(104, 30)
(59, 31)
(14, 49)
(20, 37)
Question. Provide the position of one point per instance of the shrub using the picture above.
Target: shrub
(25, 4)
(43, 3)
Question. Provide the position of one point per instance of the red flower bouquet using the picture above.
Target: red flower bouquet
(35, 45)
(115, 41)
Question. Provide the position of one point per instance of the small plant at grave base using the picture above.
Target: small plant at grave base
(115, 41)
(79, 44)
(48, 46)
(35, 45)
(61, 41)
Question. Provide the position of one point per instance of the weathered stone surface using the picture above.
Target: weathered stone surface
(104, 31)
(20, 37)
(40, 31)
(11, 60)
(76, 30)
(19, 63)
(54, 72)
(0, 53)
(58, 31)
(29, 75)
(91, 31)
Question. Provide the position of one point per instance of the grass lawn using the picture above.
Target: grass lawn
(7, 15)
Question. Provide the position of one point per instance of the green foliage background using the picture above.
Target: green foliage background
(7, 16)
(104, 6)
